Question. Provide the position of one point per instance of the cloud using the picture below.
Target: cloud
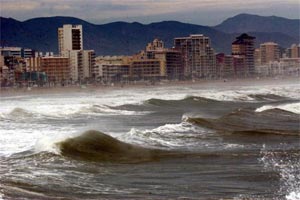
(62, 7)
(18, 5)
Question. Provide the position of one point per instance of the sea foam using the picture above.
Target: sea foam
(291, 107)
(287, 164)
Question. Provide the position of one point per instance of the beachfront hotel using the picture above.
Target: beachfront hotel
(198, 56)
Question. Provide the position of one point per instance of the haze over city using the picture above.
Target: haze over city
(204, 12)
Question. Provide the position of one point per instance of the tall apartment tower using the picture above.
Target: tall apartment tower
(198, 56)
(82, 64)
(70, 38)
(243, 53)
(269, 52)
(295, 51)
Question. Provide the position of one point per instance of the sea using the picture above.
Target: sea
(229, 140)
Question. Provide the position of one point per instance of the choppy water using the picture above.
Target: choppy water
(179, 142)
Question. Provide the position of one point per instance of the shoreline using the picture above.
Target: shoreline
(11, 92)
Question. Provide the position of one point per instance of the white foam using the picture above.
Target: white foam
(1, 195)
(64, 111)
(182, 135)
(47, 144)
(292, 107)
(19, 137)
(293, 196)
(233, 146)
(288, 169)
(16, 136)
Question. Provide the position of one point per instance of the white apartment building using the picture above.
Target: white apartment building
(82, 63)
(70, 38)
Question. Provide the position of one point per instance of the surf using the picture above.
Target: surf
(94, 145)
(247, 121)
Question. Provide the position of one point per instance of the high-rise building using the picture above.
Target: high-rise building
(171, 58)
(257, 57)
(172, 61)
(224, 65)
(82, 63)
(269, 52)
(87, 64)
(70, 43)
(295, 51)
(198, 56)
(243, 53)
(70, 38)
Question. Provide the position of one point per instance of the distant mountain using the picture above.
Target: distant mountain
(254, 23)
(109, 39)
(118, 38)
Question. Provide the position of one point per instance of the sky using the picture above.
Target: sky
(203, 12)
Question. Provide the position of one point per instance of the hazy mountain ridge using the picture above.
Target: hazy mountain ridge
(255, 23)
(119, 38)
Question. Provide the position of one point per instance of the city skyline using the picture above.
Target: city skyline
(207, 12)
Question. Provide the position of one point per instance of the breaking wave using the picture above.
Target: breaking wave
(247, 121)
(292, 107)
(286, 164)
(268, 97)
(187, 100)
(20, 113)
(168, 136)
(96, 146)
(167, 141)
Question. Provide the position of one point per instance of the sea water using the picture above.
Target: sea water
(205, 142)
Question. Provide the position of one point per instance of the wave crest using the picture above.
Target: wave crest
(247, 121)
(186, 100)
(96, 146)
(292, 107)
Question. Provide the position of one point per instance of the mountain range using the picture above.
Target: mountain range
(122, 38)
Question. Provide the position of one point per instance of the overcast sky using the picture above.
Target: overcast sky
(204, 12)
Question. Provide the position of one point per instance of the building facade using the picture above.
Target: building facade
(147, 69)
(295, 51)
(243, 54)
(70, 38)
(17, 52)
(171, 58)
(56, 68)
(34, 64)
(269, 52)
(197, 55)
(82, 64)
(224, 65)
(115, 72)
